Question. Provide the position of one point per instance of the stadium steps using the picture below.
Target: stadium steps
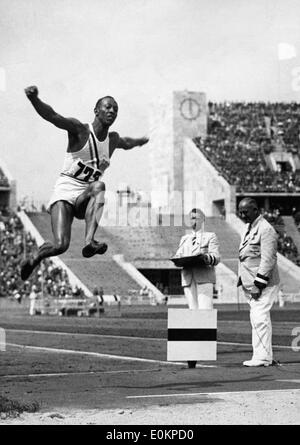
(146, 243)
(145, 247)
(158, 244)
(139, 243)
(96, 271)
(291, 230)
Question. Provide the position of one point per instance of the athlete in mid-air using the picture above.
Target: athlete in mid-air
(79, 191)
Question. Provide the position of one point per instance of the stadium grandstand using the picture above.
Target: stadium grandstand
(222, 152)
(15, 243)
(255, 147)
(219, 153)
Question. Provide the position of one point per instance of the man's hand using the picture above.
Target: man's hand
(255, 293)
(206, 259)
(143, 141)
(31, 92)
(69, 124)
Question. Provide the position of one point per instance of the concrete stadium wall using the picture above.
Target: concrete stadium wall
(180, 173)
(201, 176)
(161, 144)
(172, 118)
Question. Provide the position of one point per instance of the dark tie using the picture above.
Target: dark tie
(194, 240)
(246, 234)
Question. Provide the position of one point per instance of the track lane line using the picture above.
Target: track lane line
(98, 354)
(85, 334)
(133, 338)
(63, 374)
(195, 394)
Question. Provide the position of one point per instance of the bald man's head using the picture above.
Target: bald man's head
(248, 210)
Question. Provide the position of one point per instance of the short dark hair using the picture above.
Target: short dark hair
(199, 211)
(102, 98)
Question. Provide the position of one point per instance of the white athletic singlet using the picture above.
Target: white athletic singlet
(88, 164)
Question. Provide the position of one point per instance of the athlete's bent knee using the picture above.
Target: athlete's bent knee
(97, 187)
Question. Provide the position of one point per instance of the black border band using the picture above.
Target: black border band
(192, 334)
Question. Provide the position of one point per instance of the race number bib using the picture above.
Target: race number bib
(85, 172)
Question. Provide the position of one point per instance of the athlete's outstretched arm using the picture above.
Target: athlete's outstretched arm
(126, 143)
(46, 112)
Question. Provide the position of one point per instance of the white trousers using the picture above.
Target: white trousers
(32, 307)
(261, 323)
(199, 295)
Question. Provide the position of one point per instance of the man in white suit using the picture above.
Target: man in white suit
(198, 280)
(259, 278)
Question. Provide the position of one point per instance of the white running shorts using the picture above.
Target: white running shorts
(66, 189)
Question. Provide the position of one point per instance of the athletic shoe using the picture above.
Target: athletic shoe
(254, 362)
(26, 269)
(94, 248)
(192, 364)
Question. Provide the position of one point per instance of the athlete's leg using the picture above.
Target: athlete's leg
(61, 220)
(94, 211)
(90, 205)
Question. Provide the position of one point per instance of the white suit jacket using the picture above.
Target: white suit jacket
(206, 243)
(258, 256)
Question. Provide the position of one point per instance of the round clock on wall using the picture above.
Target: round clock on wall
(190, 109)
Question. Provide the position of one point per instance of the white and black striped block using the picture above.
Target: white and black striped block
(192, 335)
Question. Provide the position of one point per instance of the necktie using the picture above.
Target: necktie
(194, 243)
(246, 234)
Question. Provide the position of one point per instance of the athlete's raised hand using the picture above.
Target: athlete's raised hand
(31, 92)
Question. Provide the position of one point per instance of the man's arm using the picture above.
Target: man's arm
(126, 143)
(212, 258)
(46, 112)
(268, 246)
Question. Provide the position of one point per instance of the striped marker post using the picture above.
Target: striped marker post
(192, 335)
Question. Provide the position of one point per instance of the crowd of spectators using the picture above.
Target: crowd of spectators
(3, 179)
(274, 217)
(296, 216)
(48, 280)
(239, 136)
(261, 122)
(286, 244)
